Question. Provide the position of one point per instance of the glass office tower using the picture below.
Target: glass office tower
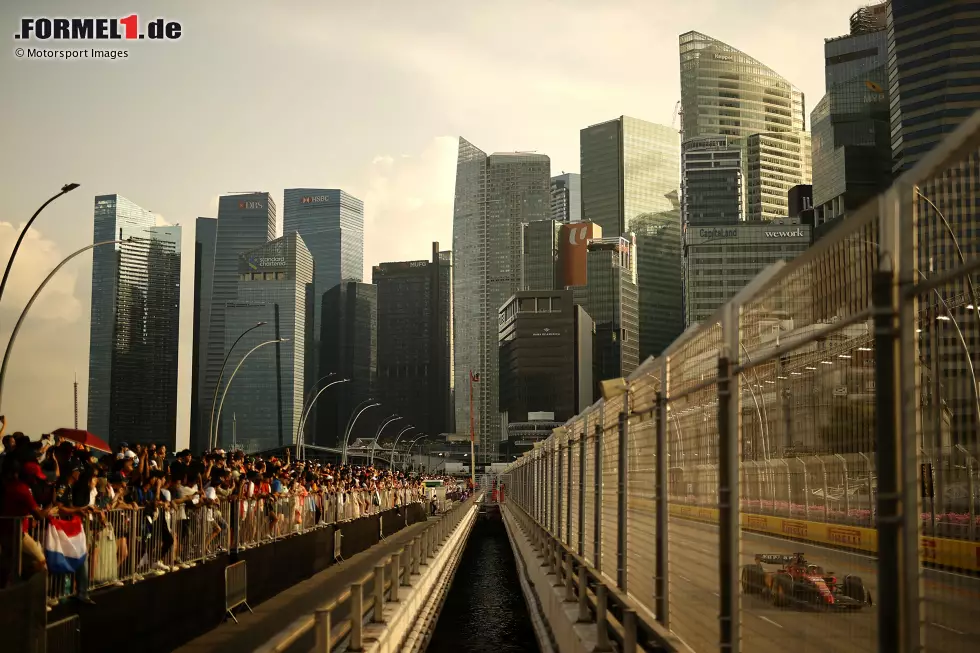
(713, 186)
(727, 93)
(851, 128)
(245, 222)
(264, 403)
(540, 245)
(133, 350)
(630, 182)
(206, 231)
(566, 197)
(495, 196)
(612, 301)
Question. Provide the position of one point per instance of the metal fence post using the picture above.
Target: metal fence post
(322, 631)
(729, 412)
(559, 481)
(581, 492)
(551, 491)
(569, 580)
(623, 483)
(601, 622)
(597, 498)
(584, 616)
(898, 619)
(661, 588)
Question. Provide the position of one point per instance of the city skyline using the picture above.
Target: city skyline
(415, 189)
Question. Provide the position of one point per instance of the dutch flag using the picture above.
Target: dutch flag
(64, 545)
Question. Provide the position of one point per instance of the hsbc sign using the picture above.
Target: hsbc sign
(314, 199)
(250, 205)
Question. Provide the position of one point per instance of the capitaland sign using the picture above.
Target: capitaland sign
(251, 205)
(716, 232)
(314, 199)
(796, 233)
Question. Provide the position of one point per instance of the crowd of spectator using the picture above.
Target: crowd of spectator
(178, 501)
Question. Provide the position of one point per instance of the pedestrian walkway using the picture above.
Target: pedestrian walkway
(272, 616)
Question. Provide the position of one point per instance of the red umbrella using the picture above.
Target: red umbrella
(84, 437)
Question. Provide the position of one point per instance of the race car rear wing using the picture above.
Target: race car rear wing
(777, 558)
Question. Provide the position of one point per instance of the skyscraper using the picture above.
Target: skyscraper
(726, 93)
(415, 340)
(540, 244)
(331, 222)
(206, 231)
(495, 195)
(573, 253)
(630, 183)
(566, 197)
(932, 74)
(851, 124)
(133, 351)
(349, 333)
(713, 181)
(245, 222)
(612, 301)
(268, 390)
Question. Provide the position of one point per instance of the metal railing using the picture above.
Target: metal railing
(341, 620)
(830, 408)
(128, 545)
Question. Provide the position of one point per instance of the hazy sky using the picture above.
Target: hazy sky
(366, 95)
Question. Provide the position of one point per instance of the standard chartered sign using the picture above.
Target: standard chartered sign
(269, 262)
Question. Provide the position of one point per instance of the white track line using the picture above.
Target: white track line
(770, 621)
(952, 630)
(685, 578)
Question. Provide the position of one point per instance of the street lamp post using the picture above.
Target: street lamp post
(67, 188)
(350, 428)
(391, 419)
(224, 395)
(300, 439)
(30, 302)
(421, 437)
(217, 382)
(397, 438)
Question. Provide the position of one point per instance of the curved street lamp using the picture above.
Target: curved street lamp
(300, 439)
(421, 437)
(350, 428)
(30, 302)
(67, 188)
(374, 443)
(395, 444)
(224, 395)
(217, 383)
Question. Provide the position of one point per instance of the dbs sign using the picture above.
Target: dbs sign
(573, 251)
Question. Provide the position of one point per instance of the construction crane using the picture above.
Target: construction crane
(678, 114)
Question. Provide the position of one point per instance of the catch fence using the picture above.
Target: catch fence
(830, 408)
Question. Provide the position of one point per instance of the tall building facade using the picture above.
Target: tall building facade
(566, 197)
(541, 244)
(613, 303)
(545, 356)
(205, 233)
(415, 358)
(720, 261)
(264, 406)
(727, 93)
(349, 333)
(573, 253)
(630, 183)
(133, 351)
(246, 222)
(934, 85)
(713, 183)
(851, 123)
(331, 222)
(495, 196)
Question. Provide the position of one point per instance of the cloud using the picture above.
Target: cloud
(408, 203)
(36, 258)
(162, 221)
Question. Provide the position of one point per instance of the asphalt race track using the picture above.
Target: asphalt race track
(951, 601)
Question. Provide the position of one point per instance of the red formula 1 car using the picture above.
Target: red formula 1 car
(796, 582)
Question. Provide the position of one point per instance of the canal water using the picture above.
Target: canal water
(485, 611)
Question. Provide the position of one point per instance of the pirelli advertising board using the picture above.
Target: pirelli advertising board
(949, 553)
